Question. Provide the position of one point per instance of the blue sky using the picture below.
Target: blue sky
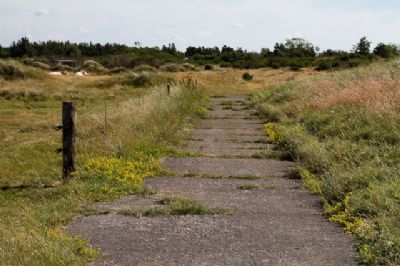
(250, 24)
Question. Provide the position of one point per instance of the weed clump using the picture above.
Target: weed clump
(176, 206)
(121, 170)
(247, 76)
(208, 67)
(248, 187)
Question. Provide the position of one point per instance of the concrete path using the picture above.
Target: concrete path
(275, 223)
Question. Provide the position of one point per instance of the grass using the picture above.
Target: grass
(343, 130)
(176, 206)
(225, 81)
(109, 165)
(143, 125)
(248, 187)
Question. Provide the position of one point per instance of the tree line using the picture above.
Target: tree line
(295, 53)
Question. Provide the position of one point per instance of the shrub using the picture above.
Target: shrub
(295, 67)
(323, 65)
(138, 80)
(270, 112)
(210, 67)
(123, 60)
(247, 76)
(275, 65)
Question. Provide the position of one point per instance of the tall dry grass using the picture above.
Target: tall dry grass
(375, 87)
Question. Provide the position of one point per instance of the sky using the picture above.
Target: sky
(250, 24)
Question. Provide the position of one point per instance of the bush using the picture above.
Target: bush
(275, 65)
(324, 64)
(125, 60)
(210, 67)
(270, 112)
(295, 67)
(247, 76)
(138, 80)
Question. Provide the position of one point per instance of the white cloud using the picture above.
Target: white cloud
(85, 30)
(204, 34)
(238, 25)
(57, 36)
(250, 24)
(170, 37)
(295, 35)
(41, 12)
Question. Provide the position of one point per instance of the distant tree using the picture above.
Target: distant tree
(73, 51)
(171, 49)
(22, 47)
(191, 51)
(300, 48)
(265, 52)
(295, 47)
(362, 47)
(2, 52)
(386, 50)
(227, 49)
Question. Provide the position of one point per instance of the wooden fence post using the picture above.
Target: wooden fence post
(68, 139)
(169, 89)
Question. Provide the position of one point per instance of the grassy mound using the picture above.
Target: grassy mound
(145, 68)
(10, 69)
(92, 66)
(37, 64)
(172, 68)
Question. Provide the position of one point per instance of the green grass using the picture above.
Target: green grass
(347, 150)
(248, 187)
(108, 167)
(176, 206)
